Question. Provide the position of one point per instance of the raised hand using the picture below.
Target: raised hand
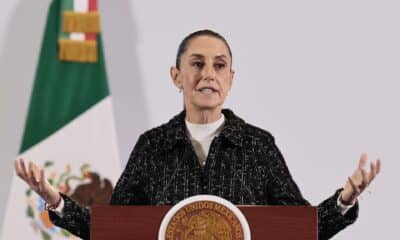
(360, 180)
(34, 177)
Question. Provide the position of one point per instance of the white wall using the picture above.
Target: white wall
(322, 76)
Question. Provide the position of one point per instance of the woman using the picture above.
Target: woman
(205, 150)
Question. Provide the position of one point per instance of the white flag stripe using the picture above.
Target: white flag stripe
(80, 6)
(77, 36)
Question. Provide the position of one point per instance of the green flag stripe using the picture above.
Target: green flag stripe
(62, 90)
(65, 5)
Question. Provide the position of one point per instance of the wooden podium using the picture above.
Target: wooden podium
(143, 222)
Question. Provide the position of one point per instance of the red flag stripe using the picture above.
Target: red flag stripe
(92, 8)
(92, 5)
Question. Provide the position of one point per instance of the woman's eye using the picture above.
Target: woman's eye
(198, 64)
(220, 65)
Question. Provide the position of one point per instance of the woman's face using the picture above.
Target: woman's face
(205, 74)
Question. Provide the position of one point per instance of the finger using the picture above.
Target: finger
(372, 173)
(31, 174)
(354, 186)
(28, 172)
(42, 180)
(18, 169)
(363, 161)
(36, 172)
(378, 166)
(364, 182)
(23, 168)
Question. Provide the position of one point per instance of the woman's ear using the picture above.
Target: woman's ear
(174, 72)
(231, 78)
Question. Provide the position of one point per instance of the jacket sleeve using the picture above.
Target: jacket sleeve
(128, 191)
(282, 190)
(74, 218)
(130, 188)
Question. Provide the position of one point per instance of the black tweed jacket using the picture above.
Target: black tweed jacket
(243, 166)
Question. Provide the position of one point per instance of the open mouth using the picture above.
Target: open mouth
(207, 90)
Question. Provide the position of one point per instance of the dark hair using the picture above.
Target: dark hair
(205, 32)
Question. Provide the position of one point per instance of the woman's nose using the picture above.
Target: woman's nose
(209, 73)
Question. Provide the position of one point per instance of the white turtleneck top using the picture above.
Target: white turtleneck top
(201, 136)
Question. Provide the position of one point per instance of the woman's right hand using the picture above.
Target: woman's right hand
(34, 177)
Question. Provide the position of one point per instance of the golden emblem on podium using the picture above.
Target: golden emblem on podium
(204, 217)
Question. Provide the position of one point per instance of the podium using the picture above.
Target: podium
(143, 222)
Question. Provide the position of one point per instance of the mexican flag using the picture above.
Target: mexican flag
(70, 129)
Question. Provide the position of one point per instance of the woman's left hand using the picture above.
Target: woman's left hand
(360, 180)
